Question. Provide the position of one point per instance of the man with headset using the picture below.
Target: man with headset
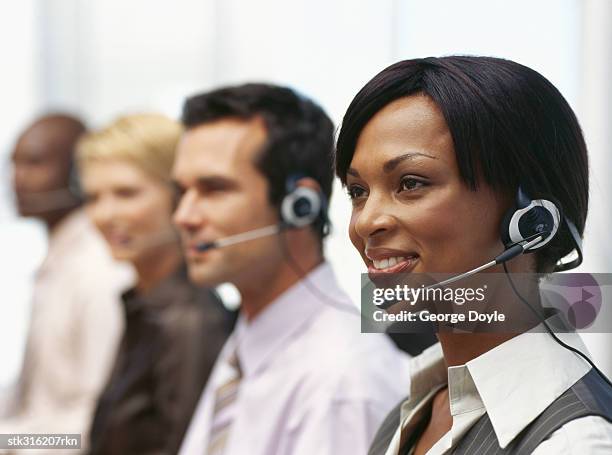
(75, 320)
(254, 170)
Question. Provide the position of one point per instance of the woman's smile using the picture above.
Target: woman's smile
(412, 212)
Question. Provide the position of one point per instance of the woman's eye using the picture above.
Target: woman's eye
(355, 192)
(410, 184)
(127, 193)
(89, 199)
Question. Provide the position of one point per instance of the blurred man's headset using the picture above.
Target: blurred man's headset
(74, 181)
(301, 206)
(67, 197)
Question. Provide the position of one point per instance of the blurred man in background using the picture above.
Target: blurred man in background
(75, 320)
(296, 377)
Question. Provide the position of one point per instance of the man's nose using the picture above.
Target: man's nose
(19, 177)
(186, 215)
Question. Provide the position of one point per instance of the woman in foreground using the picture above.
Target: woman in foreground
(437, 154)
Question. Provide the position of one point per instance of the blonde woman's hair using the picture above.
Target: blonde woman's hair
(147, 140)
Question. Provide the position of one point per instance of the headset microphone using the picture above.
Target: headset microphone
(510, 253)
(239, 238)
(506, 255)
(527, 226)
(301, 206)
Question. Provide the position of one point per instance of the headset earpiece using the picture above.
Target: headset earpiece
(301, 206)
(74, 182)
(529, 217)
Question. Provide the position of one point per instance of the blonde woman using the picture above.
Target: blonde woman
(173, 329)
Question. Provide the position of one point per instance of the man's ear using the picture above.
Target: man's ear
(309, 182)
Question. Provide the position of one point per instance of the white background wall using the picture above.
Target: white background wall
(594, 109)
(21, 243)
(103, 57)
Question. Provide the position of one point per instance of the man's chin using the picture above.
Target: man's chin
(122, 255)
(205, 277)
(26, 212)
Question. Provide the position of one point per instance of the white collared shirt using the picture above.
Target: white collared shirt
(75, 327)
(312, 382)
(513, 383)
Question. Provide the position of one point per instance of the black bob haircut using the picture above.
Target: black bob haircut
(510, 126)
(299, 135)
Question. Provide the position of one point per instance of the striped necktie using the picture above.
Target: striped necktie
(225, 399)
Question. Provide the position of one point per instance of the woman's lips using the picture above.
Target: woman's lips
(118, 239)
(404, 266)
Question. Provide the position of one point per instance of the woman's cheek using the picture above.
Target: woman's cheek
(355, 239)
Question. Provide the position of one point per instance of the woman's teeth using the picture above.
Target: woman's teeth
(388, 262)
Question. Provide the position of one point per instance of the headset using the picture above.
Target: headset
(300, 207)
(541, 218)
(68, 196)
(74, 181)
(529, 218)
(527, 226)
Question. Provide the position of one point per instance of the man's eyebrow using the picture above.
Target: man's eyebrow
(207, 181)
(392, 163)
(213, 179)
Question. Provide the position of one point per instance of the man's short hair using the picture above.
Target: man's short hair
(299, 134)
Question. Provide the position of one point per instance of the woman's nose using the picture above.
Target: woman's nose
(374, 219)
(102, 211)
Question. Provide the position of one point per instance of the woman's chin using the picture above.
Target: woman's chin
(124, 254)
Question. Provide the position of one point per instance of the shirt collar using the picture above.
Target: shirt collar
(427, 372)
(520, 378)
(71, 224)
(427, 376)
(62, 238)
(515, 382)
(258, 340)
(172, 290)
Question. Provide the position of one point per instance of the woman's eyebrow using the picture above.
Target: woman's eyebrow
(353, 172)
(392, 163)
